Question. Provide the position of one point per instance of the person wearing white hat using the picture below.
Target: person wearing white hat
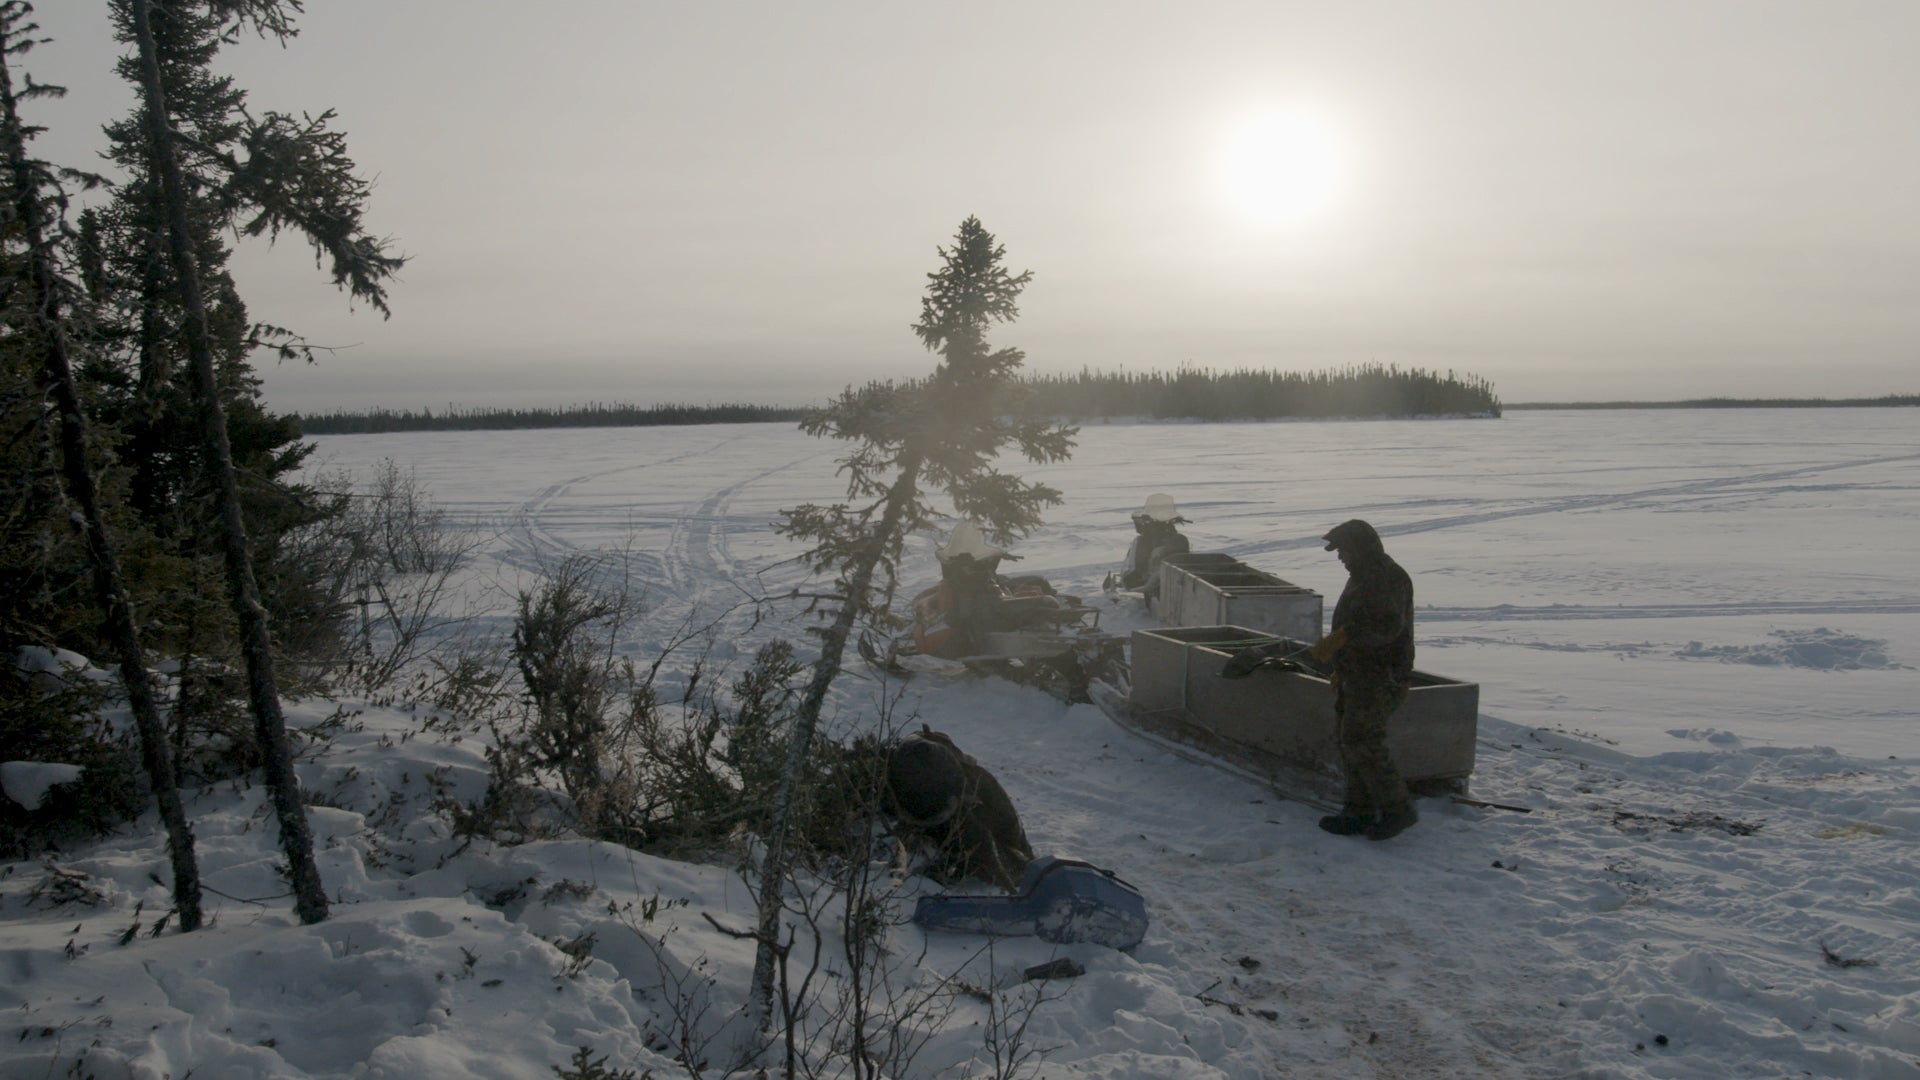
(1158, 536)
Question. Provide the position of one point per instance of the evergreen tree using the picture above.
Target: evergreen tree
(35, 202)
(295, 175)
(945, 433)
(232, 164)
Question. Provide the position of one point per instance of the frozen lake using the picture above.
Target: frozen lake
(1645, 578)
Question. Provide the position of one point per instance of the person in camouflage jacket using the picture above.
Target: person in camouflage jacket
(1370, 650)
(943, 796)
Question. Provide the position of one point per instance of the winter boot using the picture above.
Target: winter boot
(1392, 823)
(1350, 821)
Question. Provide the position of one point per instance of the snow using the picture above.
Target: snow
(1694, 635)
(53, 669)
(27, 782)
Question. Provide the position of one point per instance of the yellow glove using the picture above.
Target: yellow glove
(1324, 649)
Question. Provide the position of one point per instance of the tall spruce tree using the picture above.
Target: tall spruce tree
(37, 203)
(147, 378)
(944, 433)
(262, 176)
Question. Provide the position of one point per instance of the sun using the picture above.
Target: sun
(1282, 166)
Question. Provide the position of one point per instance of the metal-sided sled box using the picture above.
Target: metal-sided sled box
(1277, 725)
(1060, 900)
(1212, 589)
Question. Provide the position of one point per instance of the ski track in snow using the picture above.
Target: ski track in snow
(691, 582)
(537, 539)
(1557, 612)
(1672, 497)
(699, 556)
(1690, 495)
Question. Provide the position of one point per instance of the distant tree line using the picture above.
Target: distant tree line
(1733, 403)
(594, 414)
(1189, 392)
(1261, 394)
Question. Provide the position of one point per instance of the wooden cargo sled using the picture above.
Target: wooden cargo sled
(1276, 726)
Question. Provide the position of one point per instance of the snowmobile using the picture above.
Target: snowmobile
(1156, 536)
(1017, 627)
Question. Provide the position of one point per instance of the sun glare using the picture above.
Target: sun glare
(1282, 166)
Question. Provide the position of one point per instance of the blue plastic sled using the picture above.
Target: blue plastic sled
(1060, 900)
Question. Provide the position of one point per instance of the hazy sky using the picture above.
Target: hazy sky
(619, 200)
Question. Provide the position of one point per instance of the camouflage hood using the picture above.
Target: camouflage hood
(1357, 537)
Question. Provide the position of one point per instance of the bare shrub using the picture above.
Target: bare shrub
(386, 559)
(1010, 1053)
(580, 731)
(846, 1003)
(470, 681)
(584, 740)
(584, 1066)
(562, 646)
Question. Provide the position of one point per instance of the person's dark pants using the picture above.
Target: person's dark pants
(1374, 785)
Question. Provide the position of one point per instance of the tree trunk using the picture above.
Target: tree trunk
(296, 838)
(110, 593)
(833, 646)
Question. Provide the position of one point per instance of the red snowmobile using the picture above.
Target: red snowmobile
(1017, 627)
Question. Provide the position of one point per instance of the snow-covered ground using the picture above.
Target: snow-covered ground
(1695, 637)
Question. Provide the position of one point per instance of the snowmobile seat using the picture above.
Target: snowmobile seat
(1024, 585)
(1014, 612)
(1062, 900)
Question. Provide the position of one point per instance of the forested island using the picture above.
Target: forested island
(1369, 390)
